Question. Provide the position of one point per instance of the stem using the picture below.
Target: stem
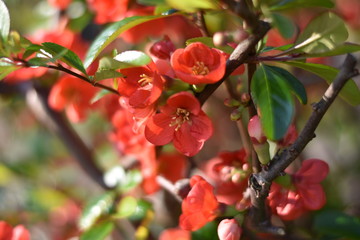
(200, 22)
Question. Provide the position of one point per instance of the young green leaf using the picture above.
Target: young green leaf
(98, 232)
(4, 21)
(95, 208)
(285, 25)
(66, 55)
(6, 69)
(271, 95)
(33, 48)
(193, 6)
(350, 91)
(288, 4)
(126, 207)
(132, 58)
(111, 33)
(322, 34)
(297, 88)
(338, 50)
(208, 41)
(106, 74)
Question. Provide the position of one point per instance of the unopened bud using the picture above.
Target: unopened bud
(255, 131)
(245, 98)
(236, 114)
(182, 187)
(262, 151)
(163, 49)
(230, 102)
(229, 229)
(219, 39)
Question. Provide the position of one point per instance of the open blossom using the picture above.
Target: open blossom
(7, 232)
(108, 10)
(181, 121)
(200, 205)
(229, 229)
(307, 193)
(198, 63)
(175, 234)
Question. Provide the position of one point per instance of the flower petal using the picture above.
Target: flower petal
(158, 130)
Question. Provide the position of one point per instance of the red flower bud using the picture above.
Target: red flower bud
(163, 49)
(255, 131)
(229, 229)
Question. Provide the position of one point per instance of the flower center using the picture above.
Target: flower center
(145, 80)
(200, 68)
(181, 116)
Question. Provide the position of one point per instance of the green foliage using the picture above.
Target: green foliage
(132, 179)
(126, 207)
(96, 208)
(64, 54)
(4, 21)
(132, 58)
(111, 33)
(337, 224)
(350, 92)
(292, 4)
(284, 24)
(193, 6)
(322, 34)
(6, 68)
(338, 50)
(98, 232)
(271, 94)
(208, 232)
(106, 74)
(208, 41)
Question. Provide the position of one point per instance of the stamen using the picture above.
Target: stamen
(200, 68)
(144, 80)
(182, 116)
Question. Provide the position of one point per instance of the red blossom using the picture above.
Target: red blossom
(7, 232)
(289, 137)
(200, 206)
(229, 229)
(72, 94)
(175, 234)
(108, 10)
(61, 4)
(307, 193)
(181, 121)
(197, 63)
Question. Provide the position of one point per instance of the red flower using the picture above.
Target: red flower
(72, 94)
(182, 121)
(61, 4)
(7, 232)
(142, 85)
(229, 229)
(307, 194)
(108, 10)
(200, 206)
(175, 234)
(289, 137)
(198, 63)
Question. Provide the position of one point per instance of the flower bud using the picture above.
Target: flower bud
(163, 49)
(229, 229)
(255, 131)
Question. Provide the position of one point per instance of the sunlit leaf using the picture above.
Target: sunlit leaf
(6, 69)
(297, 88)
(133, 178)
(193, 6)
(285, 25)
(287, 4)
(68, 56)
(126, 207)
(38, 61)
(106, 74)
(94, 209)
(98, 232)
(31, 49)
(338, 50)
(322, 34)
(99, 95)
(337, 224)
(111, 33)
(4, 21)
(271, 94)
(208, 41)
(350, 91)
(132, 58)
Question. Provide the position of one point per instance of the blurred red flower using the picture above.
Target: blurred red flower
(108, 10)
(182, 121)
(200, 206)
(175, 234)
(7, 232)
(198, 63)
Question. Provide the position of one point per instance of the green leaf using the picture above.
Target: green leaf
(98, 232)
(95, 208)
(67, 56)
(193, 6)
(272, 97)
(106, 74)
(133, 178)
(207, 232)
(132, 58)
(152, 2)
(38, 62)
(126, 207)
(208, 41)
(33, 48)
(297, 88)
(285, 25)
(322, 34)
(338, 50)
(6, 69)
(336, 223)
(4, 21)
(111, 33)
(99, 95)
(350, 91)
(142, 208)
(287, 4)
